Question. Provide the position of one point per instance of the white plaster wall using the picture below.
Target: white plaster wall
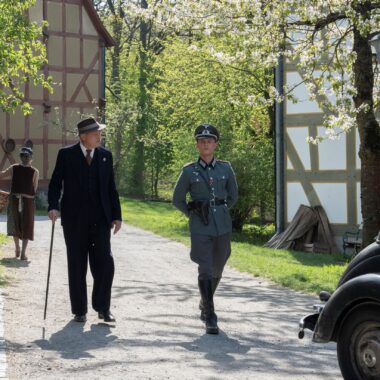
(304, 105)
(88, 26)
(289, 163)
(297, 136)
(300, 92)
(35, 12)
(295, 197)
(332, 153)
(333, 197)
(359, 218)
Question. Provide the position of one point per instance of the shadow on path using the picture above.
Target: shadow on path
(14, 262)
(219, 353)
(72, 342)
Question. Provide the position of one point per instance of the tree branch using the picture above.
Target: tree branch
(113, 93)
(322, 22)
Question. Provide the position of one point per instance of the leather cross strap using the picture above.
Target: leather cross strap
(205, 179)
(215, 201)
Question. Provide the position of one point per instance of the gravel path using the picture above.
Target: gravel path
(158, 334)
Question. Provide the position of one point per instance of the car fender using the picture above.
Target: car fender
(362, 263)
(365, 288)
(369, 264)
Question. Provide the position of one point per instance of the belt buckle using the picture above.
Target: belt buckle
(212, 203)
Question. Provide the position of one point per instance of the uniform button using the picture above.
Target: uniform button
(209, 168)
(214, 209)
(212, 188)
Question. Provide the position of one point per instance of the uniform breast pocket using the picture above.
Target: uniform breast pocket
(196, 185)
(222, 182)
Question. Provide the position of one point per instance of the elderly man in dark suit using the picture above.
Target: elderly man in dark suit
(83, 186)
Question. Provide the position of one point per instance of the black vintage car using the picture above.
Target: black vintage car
(350, 316)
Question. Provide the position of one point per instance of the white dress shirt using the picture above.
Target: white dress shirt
(84, 150)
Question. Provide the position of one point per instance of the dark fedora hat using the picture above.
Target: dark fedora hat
(89, 125)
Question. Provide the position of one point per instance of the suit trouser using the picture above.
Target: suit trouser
(89, 244)
(210, 253)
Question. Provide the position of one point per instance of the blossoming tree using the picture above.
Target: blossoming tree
(329, 40)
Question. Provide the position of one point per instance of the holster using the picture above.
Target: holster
(201, 208)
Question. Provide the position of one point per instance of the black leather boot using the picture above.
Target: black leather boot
(215, 283)
(211, 320)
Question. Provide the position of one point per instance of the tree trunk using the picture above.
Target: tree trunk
(156, 178)
(137, 188)
(262, 212)
(370, 195)
(369, 132)
(152, 182)
(156, 187)
(237, 223)
(239, 217)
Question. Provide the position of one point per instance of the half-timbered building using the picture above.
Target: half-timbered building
(327, 174)
(76, 40)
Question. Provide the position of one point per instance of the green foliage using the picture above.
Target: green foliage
(328, 41)
(159, 91)
(191, 88)
(255, 233)
(308, 272)
(22, 54)
(158, 156)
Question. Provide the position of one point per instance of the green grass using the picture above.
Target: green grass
(308, 272)
(41, 212)
(3, 240)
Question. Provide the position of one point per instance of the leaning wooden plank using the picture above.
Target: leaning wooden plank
(303, 221)
(326, 228)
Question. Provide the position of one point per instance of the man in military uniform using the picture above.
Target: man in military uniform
(213, 191)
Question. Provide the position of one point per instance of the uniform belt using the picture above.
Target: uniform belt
(217, 202)
(213, 202)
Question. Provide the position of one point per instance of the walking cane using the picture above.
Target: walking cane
(48, 276)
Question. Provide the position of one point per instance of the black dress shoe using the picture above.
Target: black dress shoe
(80, 318)
(107, 316)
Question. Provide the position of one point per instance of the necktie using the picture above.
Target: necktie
(88, 156)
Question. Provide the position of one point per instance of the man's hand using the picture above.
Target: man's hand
(53, 215)
(116, 225)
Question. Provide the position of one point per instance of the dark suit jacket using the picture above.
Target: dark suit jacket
(68, 176)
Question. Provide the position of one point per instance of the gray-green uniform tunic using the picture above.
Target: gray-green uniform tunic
(210, 245)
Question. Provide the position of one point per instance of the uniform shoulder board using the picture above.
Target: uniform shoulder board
(188, 164)
(224, 162)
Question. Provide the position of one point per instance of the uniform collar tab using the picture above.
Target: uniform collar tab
(204, 164)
